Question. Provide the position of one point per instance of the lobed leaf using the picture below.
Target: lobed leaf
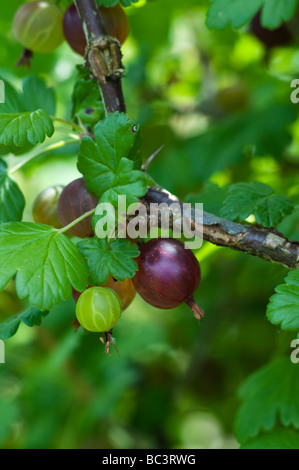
(31, 317)
(273, 393)
(45, 262)
(283, 307)
(237, 12)
(103, 258)
(24, 117)
(108, 162)
(23, 128)
(258, 199)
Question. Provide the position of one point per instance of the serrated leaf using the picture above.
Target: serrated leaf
(243, 199)
(24, 117)
(31, 317)
(237, 12)
(271, 211)
(127, 182)
(104, 258)
(279, 438)
(258, 199)
(283, 307)
(107, 163)
(23, 128)
(46, 263)
(273, 393)
(117, 137)
(17, 151)
(12, 201)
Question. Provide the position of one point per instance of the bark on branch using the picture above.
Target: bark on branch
(265, 243)
(103, 56)
(104, 60)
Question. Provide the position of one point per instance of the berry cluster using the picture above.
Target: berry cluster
(168, 273)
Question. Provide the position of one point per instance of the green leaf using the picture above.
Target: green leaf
(13, 101)
(271, 211)
(37, 95)
(104, 258)
(117, 137)
(276, 12)
(237, 12)
(231, 12)
(17, 151)
(279, 438)
(126, 181)
(283, 307)
(258, 199)
(12, 201)
(107, 164)
(273, 394)
(24, 117)
(46, 263)
(31, 317)
(23, 128)
(87, 97)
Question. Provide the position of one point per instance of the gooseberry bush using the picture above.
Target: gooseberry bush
(58, 254)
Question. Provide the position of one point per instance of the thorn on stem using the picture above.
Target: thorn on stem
(151, 158)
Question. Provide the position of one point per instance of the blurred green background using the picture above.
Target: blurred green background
(220, 103)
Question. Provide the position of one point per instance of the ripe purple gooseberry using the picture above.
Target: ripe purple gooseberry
(75, 201)
(168, 275)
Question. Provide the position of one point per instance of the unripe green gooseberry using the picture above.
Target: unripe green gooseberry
(98, 309)
(38, 26)
(45, 206)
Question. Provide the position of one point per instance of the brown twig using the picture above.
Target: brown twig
(103, 56)
(265, 243)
